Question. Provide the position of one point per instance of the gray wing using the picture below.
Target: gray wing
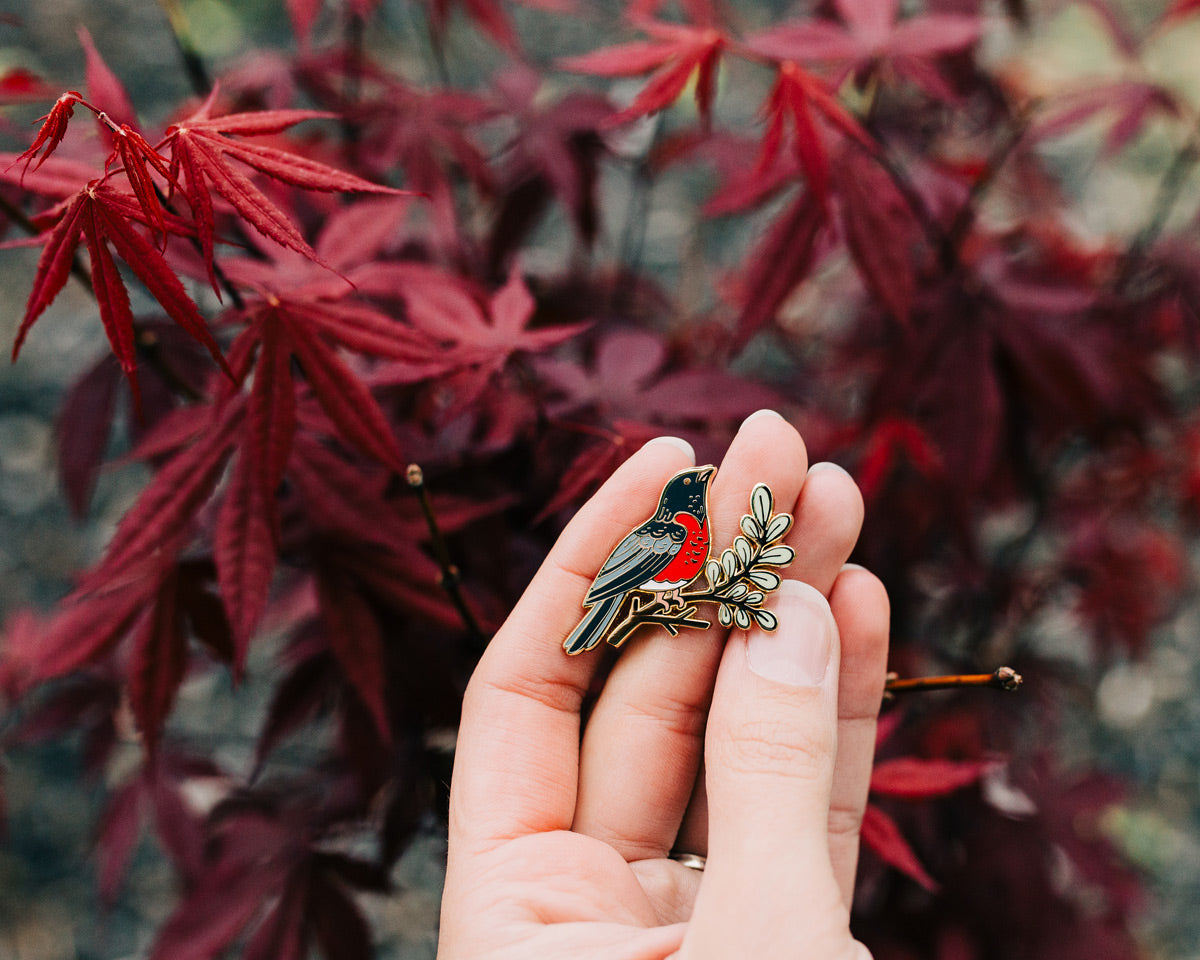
(643, 554)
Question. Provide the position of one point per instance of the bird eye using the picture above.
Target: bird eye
(686, 481)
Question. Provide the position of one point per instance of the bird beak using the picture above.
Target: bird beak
(704, 474)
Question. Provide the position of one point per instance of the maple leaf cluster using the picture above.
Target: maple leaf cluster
(332, 265)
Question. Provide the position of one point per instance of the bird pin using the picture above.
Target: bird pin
(666, 553)
(662, 555)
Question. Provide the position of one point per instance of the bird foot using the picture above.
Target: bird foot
(673, 605)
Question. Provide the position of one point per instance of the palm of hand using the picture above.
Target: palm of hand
(564, 881)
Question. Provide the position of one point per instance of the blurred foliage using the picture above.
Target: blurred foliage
(1029, 452)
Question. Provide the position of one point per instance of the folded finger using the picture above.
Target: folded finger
(770, 749)
(516, 766)
(860, 606)
(828, 517)
(644, 738)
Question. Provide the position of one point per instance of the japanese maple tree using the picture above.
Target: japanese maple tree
(333, 265)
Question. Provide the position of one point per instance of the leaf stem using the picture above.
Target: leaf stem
(451, 577)
(965, 217)
(1004, 678)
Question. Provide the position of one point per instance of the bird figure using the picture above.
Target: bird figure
(662, 555)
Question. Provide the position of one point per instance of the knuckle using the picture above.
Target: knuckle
(774, 747)
(674, 715)
(845, 823)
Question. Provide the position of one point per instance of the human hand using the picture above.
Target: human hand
(559, 842)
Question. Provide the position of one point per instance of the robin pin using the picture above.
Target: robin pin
(654, 566)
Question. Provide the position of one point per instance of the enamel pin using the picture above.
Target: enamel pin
(656, 568)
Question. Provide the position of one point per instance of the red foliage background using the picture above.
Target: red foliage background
(905, 282)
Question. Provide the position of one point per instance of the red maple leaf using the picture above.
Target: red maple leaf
(134, 152)
(487, 15)
(155, 791)
(196, 442)
(555, 153)
(157, 604)
(871, 207)
(20, 85)
(99, 216)
(1127, 104)
(782, 260)
(267, 873)
(53, 129)
(911, 778)
(423, 133)
(285, 333)
(870, 35)
(303, 14)
(1179, 9)
(472, 340)
(888, 441)
(104, 88)
(676, 53)
(795, 97)
(202, 146)
(629, 378)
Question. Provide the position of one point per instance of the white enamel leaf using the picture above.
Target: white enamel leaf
(755, 598)
(724, 615)
(751, 527)
(778, 526)
(729, 562)
(738, 590)
(761, 502)
(741, 546)
(713, 571)
(778, 555)
(741, 618)
(766, 619)
(767, 579)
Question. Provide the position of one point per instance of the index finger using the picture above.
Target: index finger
(516, 768)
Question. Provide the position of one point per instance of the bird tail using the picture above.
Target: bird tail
(591, 628)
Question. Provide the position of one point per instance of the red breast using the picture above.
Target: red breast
(686, 564)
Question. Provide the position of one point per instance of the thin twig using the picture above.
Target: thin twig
(965, 217)
(352, 63)
(451, 578)
(1169, 189)
(1005, 678)
(193, 63)
(659, 613)
(937, 237)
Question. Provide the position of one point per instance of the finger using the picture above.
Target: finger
(643, 740)
(769, 757)
(517, 761)
(828, 518)
(860, 606)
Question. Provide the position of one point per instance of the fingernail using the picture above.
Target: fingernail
(826, 465)
(765, 412)
(854, 566)
(676, 442)
(797, 653)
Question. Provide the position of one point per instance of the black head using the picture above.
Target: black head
(687, 490)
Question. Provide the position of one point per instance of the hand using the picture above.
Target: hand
(559, 843)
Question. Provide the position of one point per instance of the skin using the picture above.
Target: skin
(560, 831)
